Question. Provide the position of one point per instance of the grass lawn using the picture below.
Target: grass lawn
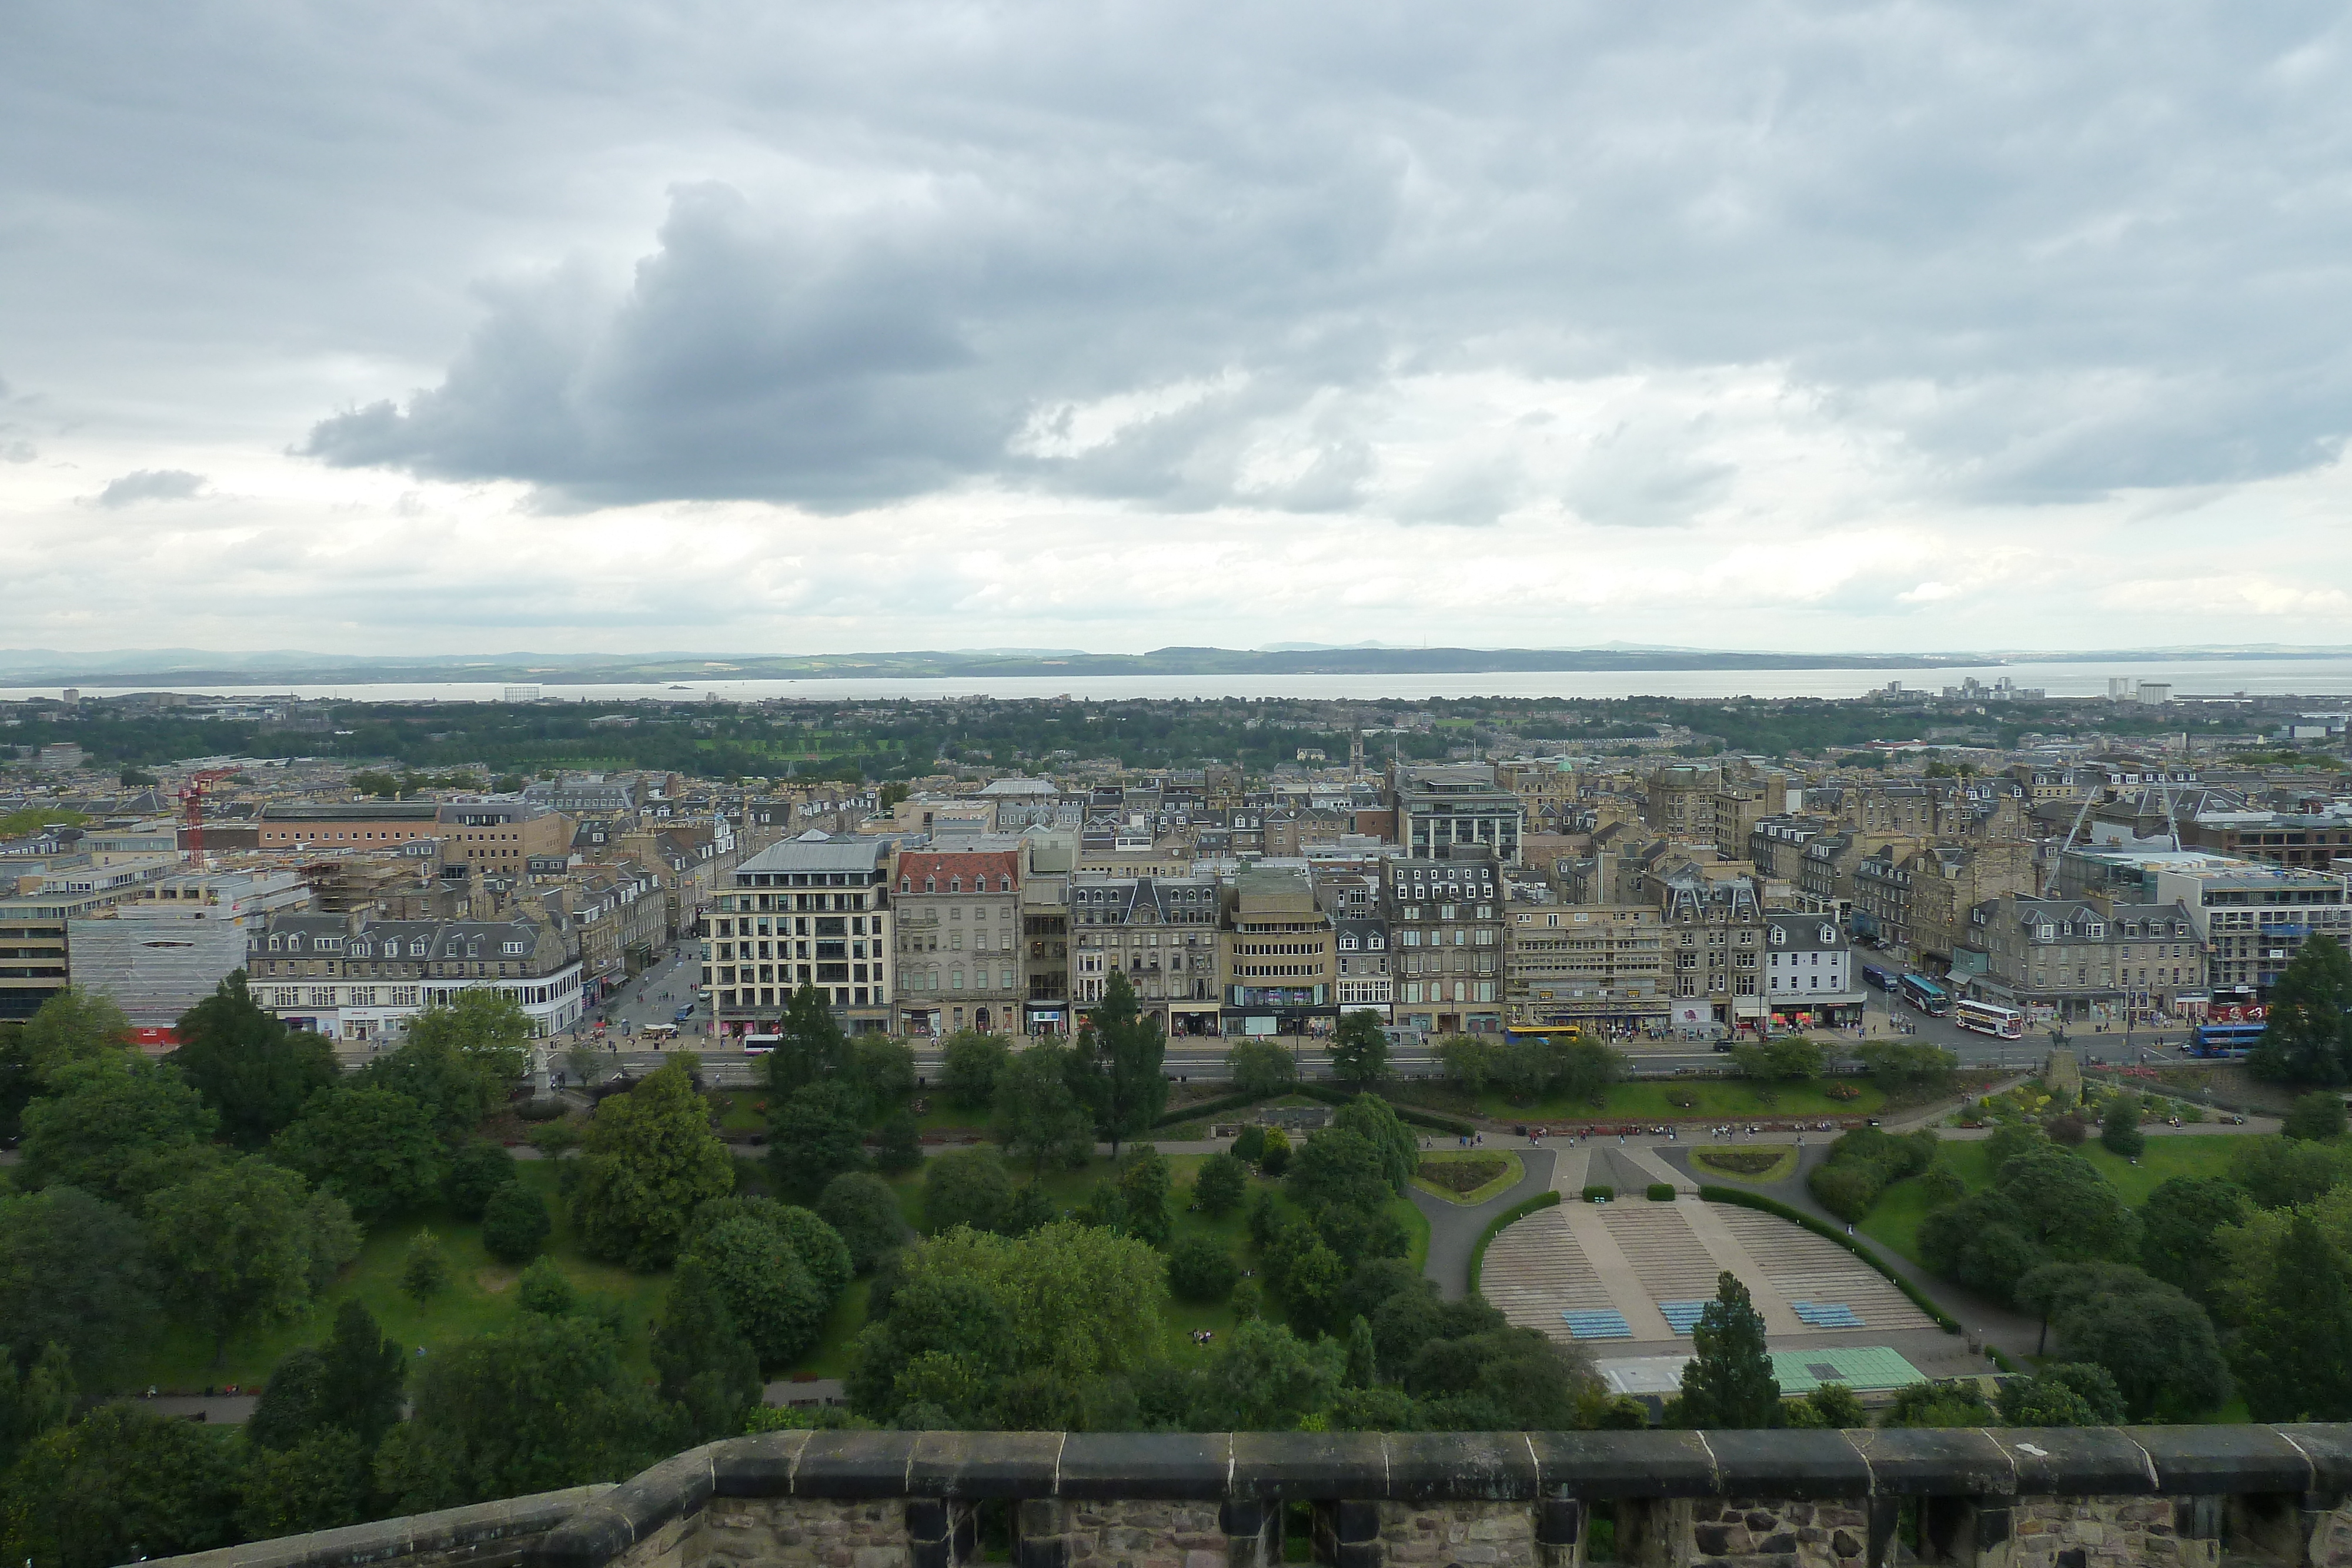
(2164, 1159)
(481, 1298)
(1730, 1098)
(1748, 1163)
(1510, 1176)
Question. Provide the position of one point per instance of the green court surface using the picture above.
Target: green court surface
(1860, 1367)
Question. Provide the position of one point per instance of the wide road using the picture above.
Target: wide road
(670, 984)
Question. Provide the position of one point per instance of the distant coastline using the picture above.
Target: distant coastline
(182, 668)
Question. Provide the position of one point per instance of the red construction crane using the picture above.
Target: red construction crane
(192, 805)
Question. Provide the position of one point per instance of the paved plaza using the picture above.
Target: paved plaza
(1630, 1277)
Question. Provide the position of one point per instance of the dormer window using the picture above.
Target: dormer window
(905, 884)
(513, 947)
(1829, 935)
(930, 884)
(955, 884)
(273, 944)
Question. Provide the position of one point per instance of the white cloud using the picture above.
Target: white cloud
(1896, 324)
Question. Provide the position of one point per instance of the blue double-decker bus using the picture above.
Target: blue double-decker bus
(1923, 994)
(2225, 1039)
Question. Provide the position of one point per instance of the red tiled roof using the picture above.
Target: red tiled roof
(970, 865)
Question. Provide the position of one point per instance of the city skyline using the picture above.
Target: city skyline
(1900, 328)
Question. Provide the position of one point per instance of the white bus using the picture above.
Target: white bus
(1986, 1017)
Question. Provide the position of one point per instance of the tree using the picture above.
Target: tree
(1499, 1379)
(547, 1290)
(487, 1030)
(651, 1157)
(1200, 1269)
(1471, 1060)
(1219, 1185)
(1145, 1184)
(772, 1297)
(1585, 1070)
(2159, 1347)
(351, 1383)
(2177, 1227)
(2307, 1030)
(1129, 1051)
(320, 1483)
(882, 1070)
(255, 1072)
(36, 1398)
(515, 1224)
(1789, 1060)
(246, 1243)
(1363, 1357)
(119, 1484)
(1341, 1167)
(971, 1188)
(457, 1086)
(899, 1146)
(1371, 1118)
(2068, 1207)
(108, 1122)
(541, 1406)
(2119, 1131)
(377, 1150)
(424, 1266)
(813, 1137)
(2315, 1117)
(474, 1172)
(706, 1364)
(2295, 1360)
(75, 1024)
(1833, 1405)
(1729, 1381)
(1259, 1068)
(74, 1272)
(2064, 1394)
(970, 1062)
(1267, 1379)
(864, 1211)
(1939, 1405)
(1360, 1051)
(1038, 1116)
(811, 1044)
(1908, 1072)
(1274, 1152)
(2279, 1173)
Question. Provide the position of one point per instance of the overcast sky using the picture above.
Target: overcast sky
(454, 328)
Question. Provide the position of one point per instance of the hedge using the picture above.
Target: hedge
(1218, 1107)
(1409, 1115)
(1597, 1194)
(1660, 1192)
(1495, 1228)
(1774, 1206)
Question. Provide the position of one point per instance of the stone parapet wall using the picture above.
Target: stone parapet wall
(2182, 1496)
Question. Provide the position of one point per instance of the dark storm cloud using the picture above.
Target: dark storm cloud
(151, 485)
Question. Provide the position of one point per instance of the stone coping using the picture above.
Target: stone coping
(1500, 1467)
(481, 1529)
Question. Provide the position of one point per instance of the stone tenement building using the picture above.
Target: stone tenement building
(2143, 1496)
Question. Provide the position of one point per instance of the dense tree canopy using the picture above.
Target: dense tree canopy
(114, 1125)
(376, 1149)
(255, 1072)
(651, 1158)
(2307, 1030)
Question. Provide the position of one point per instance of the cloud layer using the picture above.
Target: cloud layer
(1891, 324)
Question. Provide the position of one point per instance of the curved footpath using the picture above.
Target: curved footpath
(1454, 1227)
